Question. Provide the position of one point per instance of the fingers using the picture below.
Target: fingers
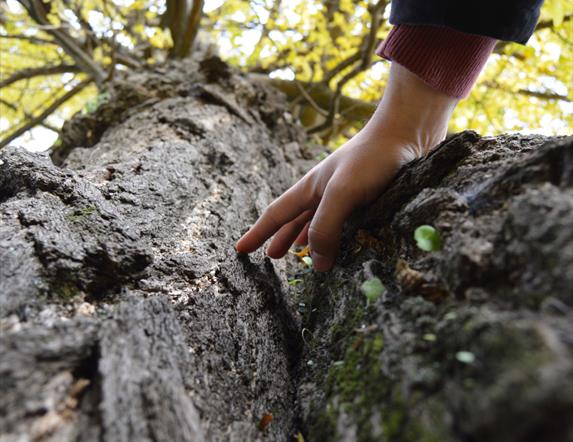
(326, 227)
(284, 238)
(302, 238)
(281, 211)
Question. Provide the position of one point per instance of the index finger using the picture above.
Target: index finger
(278, 213)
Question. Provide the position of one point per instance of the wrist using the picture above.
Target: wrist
(411, 111)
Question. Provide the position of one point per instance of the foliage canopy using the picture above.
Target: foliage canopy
(57, 56)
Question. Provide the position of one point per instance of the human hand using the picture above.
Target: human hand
(411, 119)
(315, 208)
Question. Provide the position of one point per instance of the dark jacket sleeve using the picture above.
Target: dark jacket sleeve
(509, 20)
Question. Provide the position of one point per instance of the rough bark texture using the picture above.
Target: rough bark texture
(473, 342)
(128, 316)
(118, 272)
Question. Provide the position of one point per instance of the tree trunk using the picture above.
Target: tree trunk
(128, 316)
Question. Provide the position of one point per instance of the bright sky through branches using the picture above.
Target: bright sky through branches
(298, 42)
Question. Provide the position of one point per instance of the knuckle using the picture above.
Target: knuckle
(271, 212)
(350, 191)
(316, 232)
(339, 188)
(342, 181)
(317, 237)
(313, 187)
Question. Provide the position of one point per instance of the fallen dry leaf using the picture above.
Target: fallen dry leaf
(304, 252)
(365, 239)
(265, 421)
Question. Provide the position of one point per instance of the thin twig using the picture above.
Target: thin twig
(308, 98)
(36, 72)
(342, 65)
(366, 59)
(543, 95)
(29, 38)
(321, 95)
(48, 111)
(36, 11)
(27, 115)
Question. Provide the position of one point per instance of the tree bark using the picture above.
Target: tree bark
(470, 343)
(127, 315)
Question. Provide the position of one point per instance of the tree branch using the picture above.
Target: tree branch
(366, 50)
(309, 98)
(349, 108)
(546, 95)
(342, 65)
(29, 38)
(27, 115)
(67, 42)
(193, 23)
(41, 117)
(175, 16)
(36, 72)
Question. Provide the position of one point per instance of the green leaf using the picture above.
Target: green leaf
(372, 289)
(430, 337)
(427, 238)
(307, 260)
(466, 357)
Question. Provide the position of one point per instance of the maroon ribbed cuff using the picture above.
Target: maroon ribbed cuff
(447, 60)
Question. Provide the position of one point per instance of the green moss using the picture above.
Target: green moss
(93, 104)
(65, 291)
(359, 387)
(345, 330)
(324, 428)
(358, 382)
(393, 423)
(80, 214)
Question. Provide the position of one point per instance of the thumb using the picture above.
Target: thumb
(326, 226)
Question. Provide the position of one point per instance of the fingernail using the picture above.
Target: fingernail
(320, 262)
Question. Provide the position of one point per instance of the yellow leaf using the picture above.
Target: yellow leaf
(556, 10)
(304, 252)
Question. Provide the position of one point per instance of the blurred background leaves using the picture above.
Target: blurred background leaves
(56, 58)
